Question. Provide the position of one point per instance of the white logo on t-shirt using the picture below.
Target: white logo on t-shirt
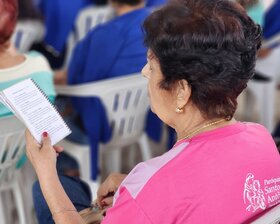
(253, 194)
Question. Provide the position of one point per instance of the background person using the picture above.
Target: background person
(59, 18)
(155, 3)
(15, 66)
(201, 55)
(110, 50)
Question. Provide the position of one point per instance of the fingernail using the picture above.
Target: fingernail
(45, 134)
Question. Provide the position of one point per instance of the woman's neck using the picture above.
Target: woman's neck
(9, 57)
(193, 123)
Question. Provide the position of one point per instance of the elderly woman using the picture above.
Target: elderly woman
(201, 55)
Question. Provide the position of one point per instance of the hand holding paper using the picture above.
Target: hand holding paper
(33, 108)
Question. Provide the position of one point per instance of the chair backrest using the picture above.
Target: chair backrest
(27, 33)
(270, 217)
(126, 102)
(87, 19)
(273, 41)
(12, 144)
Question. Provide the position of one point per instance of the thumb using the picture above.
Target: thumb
(46, 141)
(58, 148)
(107, 202)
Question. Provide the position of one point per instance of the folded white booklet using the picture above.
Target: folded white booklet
(29, 103)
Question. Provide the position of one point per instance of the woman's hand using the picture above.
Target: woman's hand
(108, 188)
(264, 52)
(42, 157)
(60, 77)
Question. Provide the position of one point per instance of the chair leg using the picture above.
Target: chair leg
(19, 202)
(248, 105)
(267, 106)
(145, 147)
(113, 163)
(94, 185)
(265, 96)
(2, 211)
(26, 177)
(132, 154)
(85, 168)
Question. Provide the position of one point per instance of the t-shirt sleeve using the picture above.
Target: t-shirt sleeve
(95, 55)
(126, 210)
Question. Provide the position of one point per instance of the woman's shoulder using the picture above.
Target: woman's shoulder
(39, 59)
(34, 64)
(258, 128)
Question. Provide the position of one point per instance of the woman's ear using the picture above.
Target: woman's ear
(183, 93)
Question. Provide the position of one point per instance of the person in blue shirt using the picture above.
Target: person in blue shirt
(59, 17)
(155, 3)
(271, 27)
(110, 50)
(272, 20)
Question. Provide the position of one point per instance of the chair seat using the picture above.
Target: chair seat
(12, 145)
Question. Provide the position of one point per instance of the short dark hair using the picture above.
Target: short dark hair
(211, 44)
(129, 2)
(248, 3)
(8, 14)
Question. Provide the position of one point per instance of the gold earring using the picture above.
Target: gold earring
(179, 110)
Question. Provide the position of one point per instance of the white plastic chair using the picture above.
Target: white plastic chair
(270, 217)
(87, 19)
(265, 92)
(130, 93)
(27, 33)
(12, 145)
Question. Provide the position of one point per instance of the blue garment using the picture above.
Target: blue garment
(154, 3)
(112, 49)
(154, 129)
(59, 18)
(77, 190)
(276, 132)
(272, 20)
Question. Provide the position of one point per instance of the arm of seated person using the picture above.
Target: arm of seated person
(60, 77)
(108, 188)
(43, 159)
(264, 52)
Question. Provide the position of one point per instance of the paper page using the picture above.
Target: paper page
(2, 100)
(36, 111)
(5, 102)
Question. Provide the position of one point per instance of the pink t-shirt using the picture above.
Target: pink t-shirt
(228, 175)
